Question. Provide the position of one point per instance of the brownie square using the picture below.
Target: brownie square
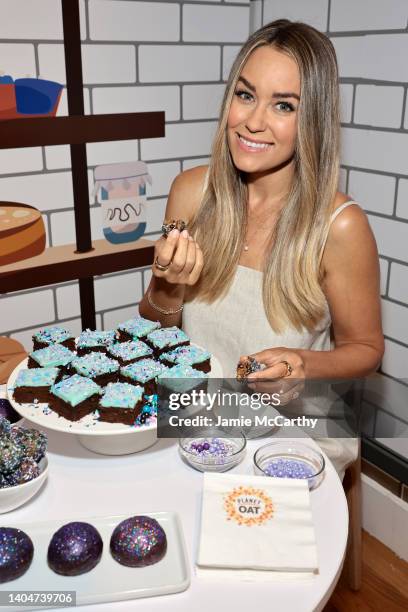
(129, 352)
(182, 379)
(194, 356)
(53, 335)
(96, 366)
(135, 328)
(74, 397)
(166, 338)
(95, 341)
(34, 384)
(120, 403)
(53, 356)
(143, 373)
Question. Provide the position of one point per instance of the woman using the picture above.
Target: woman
(274, 257)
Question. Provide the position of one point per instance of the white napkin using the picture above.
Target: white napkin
(256, 528)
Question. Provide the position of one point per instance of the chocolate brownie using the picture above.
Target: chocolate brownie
(129, 352)
(120, 403)
(194, 356)
(136, 328)
(74, 397)
(53, 335)
(96, 366)
(53, 356)
(143, 373)
(166, 339)
(34, 384)
(95, 341)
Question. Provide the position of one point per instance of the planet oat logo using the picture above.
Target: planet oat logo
(248, 506)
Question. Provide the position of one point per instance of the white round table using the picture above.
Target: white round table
(82, 484)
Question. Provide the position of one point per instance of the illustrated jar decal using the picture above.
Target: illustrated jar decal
(121, 190)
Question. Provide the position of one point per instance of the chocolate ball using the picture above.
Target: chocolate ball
(32, 441)
(138, 541)
(27, 471)
(76, 548)
(16, 553)
(11, 455)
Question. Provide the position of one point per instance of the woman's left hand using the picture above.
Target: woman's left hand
(284, 373)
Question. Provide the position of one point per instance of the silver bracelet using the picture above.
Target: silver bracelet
(170, 311)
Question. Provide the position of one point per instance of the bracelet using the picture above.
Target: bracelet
(170, 311)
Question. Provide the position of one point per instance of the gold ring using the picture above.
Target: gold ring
(289, 369)
(159, 266)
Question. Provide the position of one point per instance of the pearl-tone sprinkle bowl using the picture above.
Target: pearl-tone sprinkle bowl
(295, 451)
(213, 462)
(14, 497)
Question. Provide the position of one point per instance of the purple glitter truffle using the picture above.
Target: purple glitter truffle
(76, 548)
(27, 471)
(16, 553)
(7, 411)
(138, 541)
(11, 455)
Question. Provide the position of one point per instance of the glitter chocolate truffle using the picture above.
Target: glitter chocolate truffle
(171, 224)
(96, 366)
(138, 541)
(120, 403)
(166, 338)
(74, 397)
(194, 356)
(144, 373)
(53, 335)
(129, 352)
(76, 548)
(54, 356)
(244, 368)
(136, 328)
(95, 341)
(34, 384)
(7, 411)
(16, 553)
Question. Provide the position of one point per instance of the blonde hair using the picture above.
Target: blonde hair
(292, 293)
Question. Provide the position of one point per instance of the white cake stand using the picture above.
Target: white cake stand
(97, 436)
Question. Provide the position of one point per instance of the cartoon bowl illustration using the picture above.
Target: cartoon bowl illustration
(37, 96)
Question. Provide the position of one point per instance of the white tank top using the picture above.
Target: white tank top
(237, 324)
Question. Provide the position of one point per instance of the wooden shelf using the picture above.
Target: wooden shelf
(80, 129)
(62, 263)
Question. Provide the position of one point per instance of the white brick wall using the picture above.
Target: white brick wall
(195, 161)
(375, 192)
(18, 60)
(167, 63)
(381, 56)
(368, 15)
(112, 318)
(63, 226)
(155, 214)
(402, 201)
(375, 150)
(21, 160)
(229, 53)
(184, 139)
(44, 191)
(138, 100)
(384, 266)
(29, 19)
(395, 321)
(313, 12)
(398, 289)
(346, 102)
(371, 100)
(202, 101)
(395, 360)
(37, 309)
(110, 292)
(135, 21)
(391, 236)
(215, 23)
(100, 63)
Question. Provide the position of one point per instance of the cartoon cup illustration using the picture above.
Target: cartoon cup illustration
(121, 190)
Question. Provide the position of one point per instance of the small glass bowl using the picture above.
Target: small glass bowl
(208, 462)
(292, 451)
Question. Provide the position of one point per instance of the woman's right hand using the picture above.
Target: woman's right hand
(182, 257)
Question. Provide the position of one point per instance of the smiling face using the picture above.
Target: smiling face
(262, 121)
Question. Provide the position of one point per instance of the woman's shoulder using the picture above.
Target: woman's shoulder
(186, 192)
(346, 218)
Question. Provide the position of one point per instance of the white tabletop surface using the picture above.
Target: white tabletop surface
(82, 484)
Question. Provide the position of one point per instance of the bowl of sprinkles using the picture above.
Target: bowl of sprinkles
(211, 451)
(290, 460)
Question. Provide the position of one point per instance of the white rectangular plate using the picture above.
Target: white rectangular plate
(108, 581)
